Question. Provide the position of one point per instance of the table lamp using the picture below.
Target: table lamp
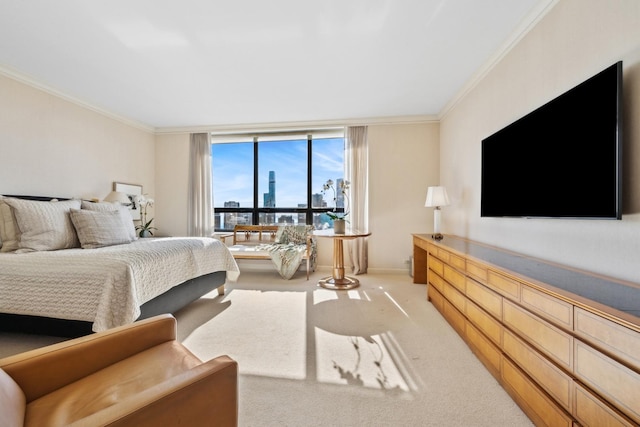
(436, 197)
(117, 196)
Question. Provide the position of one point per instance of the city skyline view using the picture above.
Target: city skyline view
(232, 166)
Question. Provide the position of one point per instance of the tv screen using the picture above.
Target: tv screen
(562, 160)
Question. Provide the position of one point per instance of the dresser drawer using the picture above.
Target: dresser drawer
(452, 259)
(436, 265)
(485, 298)
(478, 271)
(503, 285)
(454, 317)
(535, 403)
(487, 324)
(436, 281)
(546, 306)
(618, 384)
(623, 342)
(443, 255)
(487, 352)
(454, 277)
(551, 378)
(457, 262)
(537, 332)
(436, 298)
(591, 411)
(454, 297)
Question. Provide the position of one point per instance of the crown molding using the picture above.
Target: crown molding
(29, 81)
(526, 25)
(306, 125)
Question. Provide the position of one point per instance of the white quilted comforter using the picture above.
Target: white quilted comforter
(108, 285)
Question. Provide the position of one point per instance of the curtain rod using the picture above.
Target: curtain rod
(253, 134)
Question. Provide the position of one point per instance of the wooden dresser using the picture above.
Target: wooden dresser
(563, 343)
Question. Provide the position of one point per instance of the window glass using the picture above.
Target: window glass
(282, 174)
(285, 186)
(232, 174)
(328, 164)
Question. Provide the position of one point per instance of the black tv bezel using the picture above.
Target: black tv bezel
(618, 157)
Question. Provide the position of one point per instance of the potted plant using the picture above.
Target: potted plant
(339, 218)
(144, 229)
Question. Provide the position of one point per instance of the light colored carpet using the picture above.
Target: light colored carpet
(378, 355)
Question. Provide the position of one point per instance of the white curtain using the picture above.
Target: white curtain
(356, 159)
(200, 210)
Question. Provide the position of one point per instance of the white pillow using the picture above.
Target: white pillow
(97, 229)
(44, 226)
(9, 231)
(124, 212)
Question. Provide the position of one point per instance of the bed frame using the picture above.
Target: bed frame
(169, 302)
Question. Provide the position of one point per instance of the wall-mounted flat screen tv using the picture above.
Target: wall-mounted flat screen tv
(562, 160)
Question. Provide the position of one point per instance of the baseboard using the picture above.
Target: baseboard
(267, 265)
(388, 271)
(348, 271)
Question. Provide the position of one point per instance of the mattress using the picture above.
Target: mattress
(106, 286)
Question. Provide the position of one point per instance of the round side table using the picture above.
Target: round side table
(338, 280)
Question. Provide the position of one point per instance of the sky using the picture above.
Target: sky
(233, 170)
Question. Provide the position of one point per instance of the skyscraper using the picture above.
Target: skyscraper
(270, 197)
(317, 201)
(230, 219)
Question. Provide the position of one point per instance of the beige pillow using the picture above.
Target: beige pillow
(124, 212)
(9, 231)
(97, 229)
(44, 226)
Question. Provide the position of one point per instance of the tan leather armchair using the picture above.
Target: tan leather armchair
(134, 375)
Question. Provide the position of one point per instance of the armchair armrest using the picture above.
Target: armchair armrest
(41, 371)
(205, 395)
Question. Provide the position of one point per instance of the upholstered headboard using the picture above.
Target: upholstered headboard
(39, 198)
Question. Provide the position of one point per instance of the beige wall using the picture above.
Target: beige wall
(403, 162)
(53, 147)
(574, 41)
(172, 179)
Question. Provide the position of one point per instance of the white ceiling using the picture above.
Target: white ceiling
(193, 63)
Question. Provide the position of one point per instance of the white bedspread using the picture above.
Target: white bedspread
(108, 285)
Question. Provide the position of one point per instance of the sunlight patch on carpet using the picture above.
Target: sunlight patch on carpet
(357, 361)
(265, 332)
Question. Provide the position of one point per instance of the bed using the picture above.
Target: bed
(91, 285)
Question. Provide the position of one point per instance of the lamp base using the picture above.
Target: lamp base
(436, 224)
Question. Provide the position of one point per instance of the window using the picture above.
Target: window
(276, 178)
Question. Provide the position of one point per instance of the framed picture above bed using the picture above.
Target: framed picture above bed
(131, 190)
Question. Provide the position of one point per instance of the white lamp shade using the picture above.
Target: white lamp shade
(436, 196)
(117, 196)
